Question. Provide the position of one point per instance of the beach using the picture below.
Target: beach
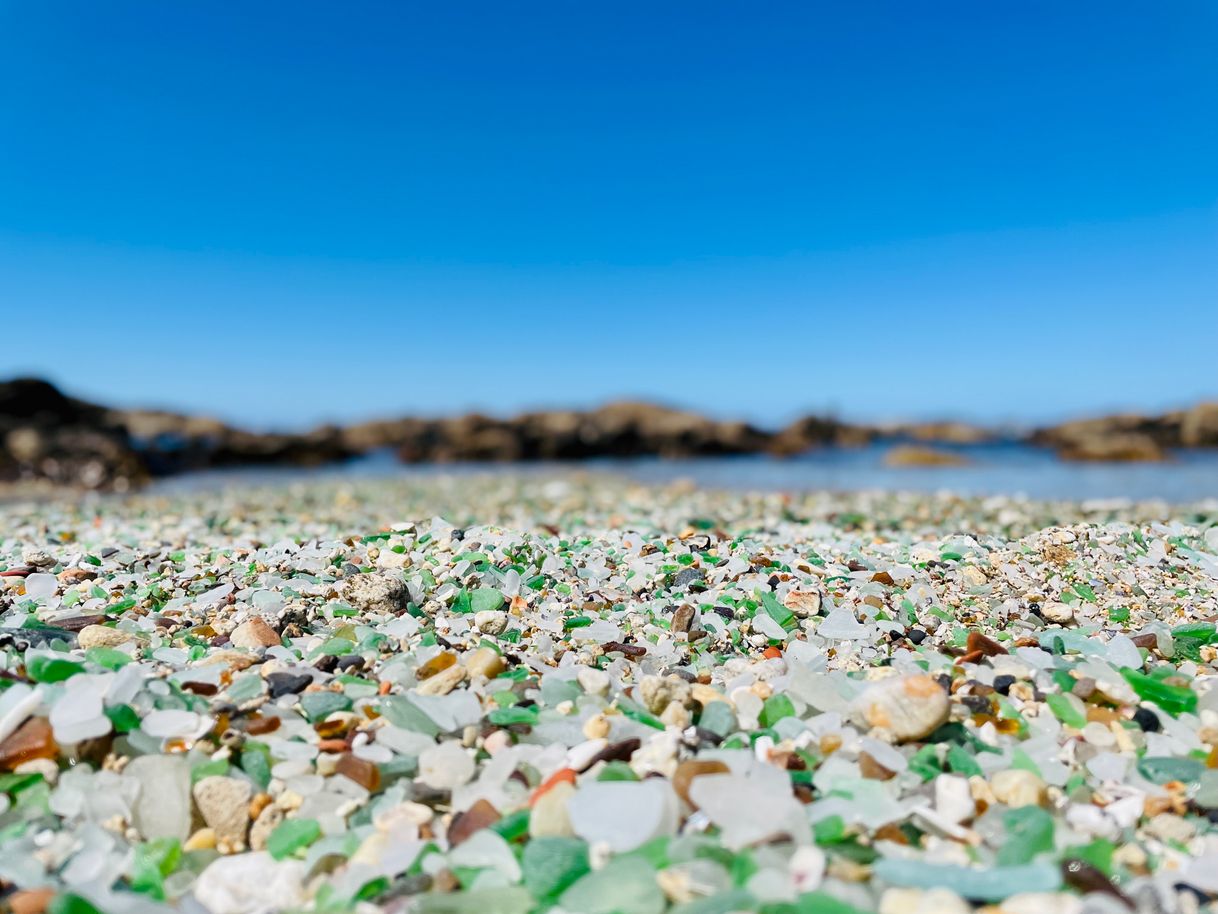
(578, 692)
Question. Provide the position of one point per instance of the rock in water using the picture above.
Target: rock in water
(623, 814)
(253, 883)
(162, 809)
(903, 707)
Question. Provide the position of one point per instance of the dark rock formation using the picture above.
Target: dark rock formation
(812, 432)
(1132, 436)
(46, 435)
(617, 430)
(173, 443)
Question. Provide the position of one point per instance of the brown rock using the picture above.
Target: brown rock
(30, 901)
(909, 455)
(361, 771)
(253, 634)
(33, 739)
(479, 816)
(682, 619)
(941, 432)
(1117, 448)
(988, 646)
(1199, 426)
(873, 770)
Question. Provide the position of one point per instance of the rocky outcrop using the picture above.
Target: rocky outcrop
(1199, 425)
(812, 432)
(47, 435)
(1131, 436)
(939, 432)
(618, 430)
(174, 443)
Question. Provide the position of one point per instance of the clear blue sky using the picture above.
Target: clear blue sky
(286, 212)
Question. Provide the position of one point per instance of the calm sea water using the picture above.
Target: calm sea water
(1007, 469)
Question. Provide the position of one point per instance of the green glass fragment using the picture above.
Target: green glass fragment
(107, 657)
(719, 718)
(52, 669)
(123, 718)
(291, 835)
(1065, 711)
(505, 717)
(320, 705)
(1173, 699)
(485, 599)
(776, 707)
(1029, 831)
(778, 612)
(1160, 769)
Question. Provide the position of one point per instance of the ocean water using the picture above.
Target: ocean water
(993, 469)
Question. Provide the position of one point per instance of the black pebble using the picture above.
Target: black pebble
(681, 672)
(1147, 719)
(978, 704)
(287, 683)
(1002, 684)
(917, 636)
(351, 662)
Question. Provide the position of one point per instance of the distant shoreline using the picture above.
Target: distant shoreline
(46, 435)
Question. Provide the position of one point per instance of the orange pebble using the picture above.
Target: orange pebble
(561, 776)
(771, 653)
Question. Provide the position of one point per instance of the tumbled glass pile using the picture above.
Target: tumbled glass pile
(500, 695)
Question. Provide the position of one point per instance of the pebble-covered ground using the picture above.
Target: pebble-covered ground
(584, 695)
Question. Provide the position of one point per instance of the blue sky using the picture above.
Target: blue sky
(287, 212)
